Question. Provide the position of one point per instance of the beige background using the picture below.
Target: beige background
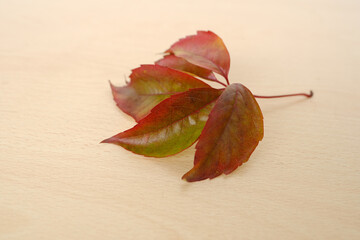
(58, 182)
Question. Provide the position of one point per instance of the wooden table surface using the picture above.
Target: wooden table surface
(58, 182)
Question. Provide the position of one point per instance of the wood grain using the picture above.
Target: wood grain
(58, 182)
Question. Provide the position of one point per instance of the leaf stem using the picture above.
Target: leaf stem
(227, 81)
(308, 95)
(222, 72)
(220, 83)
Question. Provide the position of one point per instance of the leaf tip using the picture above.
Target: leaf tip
(109, 140)
(192, 176)
(113, 87)
(186, 177)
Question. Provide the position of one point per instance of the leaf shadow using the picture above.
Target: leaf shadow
(179, 163)
(182, 162)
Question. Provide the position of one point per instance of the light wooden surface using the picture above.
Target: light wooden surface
(58, 182)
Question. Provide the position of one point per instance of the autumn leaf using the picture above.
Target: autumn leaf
(172, 126)
(205, 49)
(181, 64)
(149, 85)
(174, 109)
(231, 134)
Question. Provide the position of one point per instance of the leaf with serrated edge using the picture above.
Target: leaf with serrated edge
(172, 126)
(205, 49)
(231, 134)
(151, 84)
(181, 64)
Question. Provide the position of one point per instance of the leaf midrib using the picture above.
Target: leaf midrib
(158, 94)
(226, 126)
(199, 56)
(159, 129)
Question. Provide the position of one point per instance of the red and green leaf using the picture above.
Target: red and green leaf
(205, 49)
(172, 126)
(174, 109)
(181, 64)
(231, 134)
(149, 85)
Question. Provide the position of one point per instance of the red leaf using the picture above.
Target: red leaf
(172, 126)
(231, 134)
(151, 84)
(206, 50)
(181, 64)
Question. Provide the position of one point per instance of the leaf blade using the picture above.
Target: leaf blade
(231, 134)
(181, 64)
(149, 85)
(204, 49)
(162, 134)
